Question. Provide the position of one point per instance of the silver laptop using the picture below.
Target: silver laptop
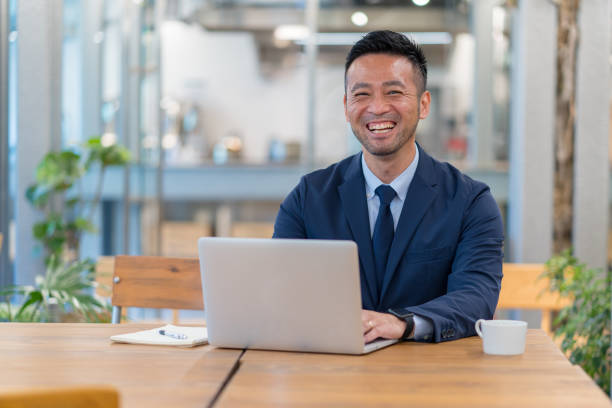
(283, 294)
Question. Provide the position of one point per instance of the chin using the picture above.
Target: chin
(381, 151)
(387, 149)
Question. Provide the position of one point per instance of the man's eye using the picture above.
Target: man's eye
(360, 94)
(394, 92)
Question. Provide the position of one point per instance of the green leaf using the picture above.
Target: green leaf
(84, 225)
(32, 298)
(40, 230)
(59, 170)
(38, 195)
(113, 155)
(94, 142)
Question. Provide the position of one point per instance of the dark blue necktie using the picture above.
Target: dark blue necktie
(383, 231)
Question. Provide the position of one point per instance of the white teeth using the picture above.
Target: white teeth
(381, 126)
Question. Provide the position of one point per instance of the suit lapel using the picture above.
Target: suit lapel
(353, 197)
(420, 194)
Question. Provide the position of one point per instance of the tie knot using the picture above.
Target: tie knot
(386, 194)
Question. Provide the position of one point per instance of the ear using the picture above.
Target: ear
(424, 103)
(345, 111)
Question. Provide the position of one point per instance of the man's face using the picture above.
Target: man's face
(382, 102)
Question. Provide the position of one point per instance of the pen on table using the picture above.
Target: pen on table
(178, 336)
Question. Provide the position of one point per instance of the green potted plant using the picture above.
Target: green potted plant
(63, 293)
(57, 194)
(584, 326)
(67, 286)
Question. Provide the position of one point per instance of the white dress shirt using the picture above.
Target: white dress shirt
(423, 328)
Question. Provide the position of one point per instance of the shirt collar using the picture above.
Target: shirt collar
(400, 184)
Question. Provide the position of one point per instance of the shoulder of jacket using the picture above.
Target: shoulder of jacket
(334, 173)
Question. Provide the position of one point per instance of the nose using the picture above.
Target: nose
(378, 104)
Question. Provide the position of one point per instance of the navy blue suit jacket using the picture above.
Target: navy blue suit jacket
(445, 263)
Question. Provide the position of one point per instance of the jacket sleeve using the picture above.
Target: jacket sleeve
(475, 278)
(290, 218)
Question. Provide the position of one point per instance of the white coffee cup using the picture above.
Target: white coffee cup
(502, 337)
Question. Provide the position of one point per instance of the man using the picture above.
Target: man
(429, 237)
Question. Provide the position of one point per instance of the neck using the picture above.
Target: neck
(387, 168)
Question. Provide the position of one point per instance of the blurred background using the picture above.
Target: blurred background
(224, 104)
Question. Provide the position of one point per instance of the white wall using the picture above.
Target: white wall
(221, 72)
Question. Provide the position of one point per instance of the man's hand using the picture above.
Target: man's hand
(383, 325)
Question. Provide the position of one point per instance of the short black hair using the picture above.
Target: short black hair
(390, 42)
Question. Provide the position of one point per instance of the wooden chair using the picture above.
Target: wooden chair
(156, 282)
(252, 229)
(522, 289)
(180, 239)
(65, 397)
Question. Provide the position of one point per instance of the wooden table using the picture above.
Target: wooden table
(56, 354)
(454, 374)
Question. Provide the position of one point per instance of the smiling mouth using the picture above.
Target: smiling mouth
(380, 127)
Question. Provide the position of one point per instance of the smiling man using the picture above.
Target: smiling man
(429, 237)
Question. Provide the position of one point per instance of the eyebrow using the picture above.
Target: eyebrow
(394, 82)
(360, 85)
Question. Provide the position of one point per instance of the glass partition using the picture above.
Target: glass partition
(234, 89)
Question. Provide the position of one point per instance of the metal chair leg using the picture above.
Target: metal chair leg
(116, 317)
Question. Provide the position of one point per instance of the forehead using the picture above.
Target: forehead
(379, 68)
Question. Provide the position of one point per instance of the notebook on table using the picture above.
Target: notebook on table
(167, 335)
(283, 294)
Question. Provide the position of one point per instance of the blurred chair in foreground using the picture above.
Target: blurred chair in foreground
(156, 282)
(65, 397)
(522, 288)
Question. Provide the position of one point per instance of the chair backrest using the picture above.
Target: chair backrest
(65, 397)
(156, 282)
(522, 288)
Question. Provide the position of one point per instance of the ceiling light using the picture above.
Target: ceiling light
(292, 32)
(420, 3)
(169, 141)
(359, 18)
